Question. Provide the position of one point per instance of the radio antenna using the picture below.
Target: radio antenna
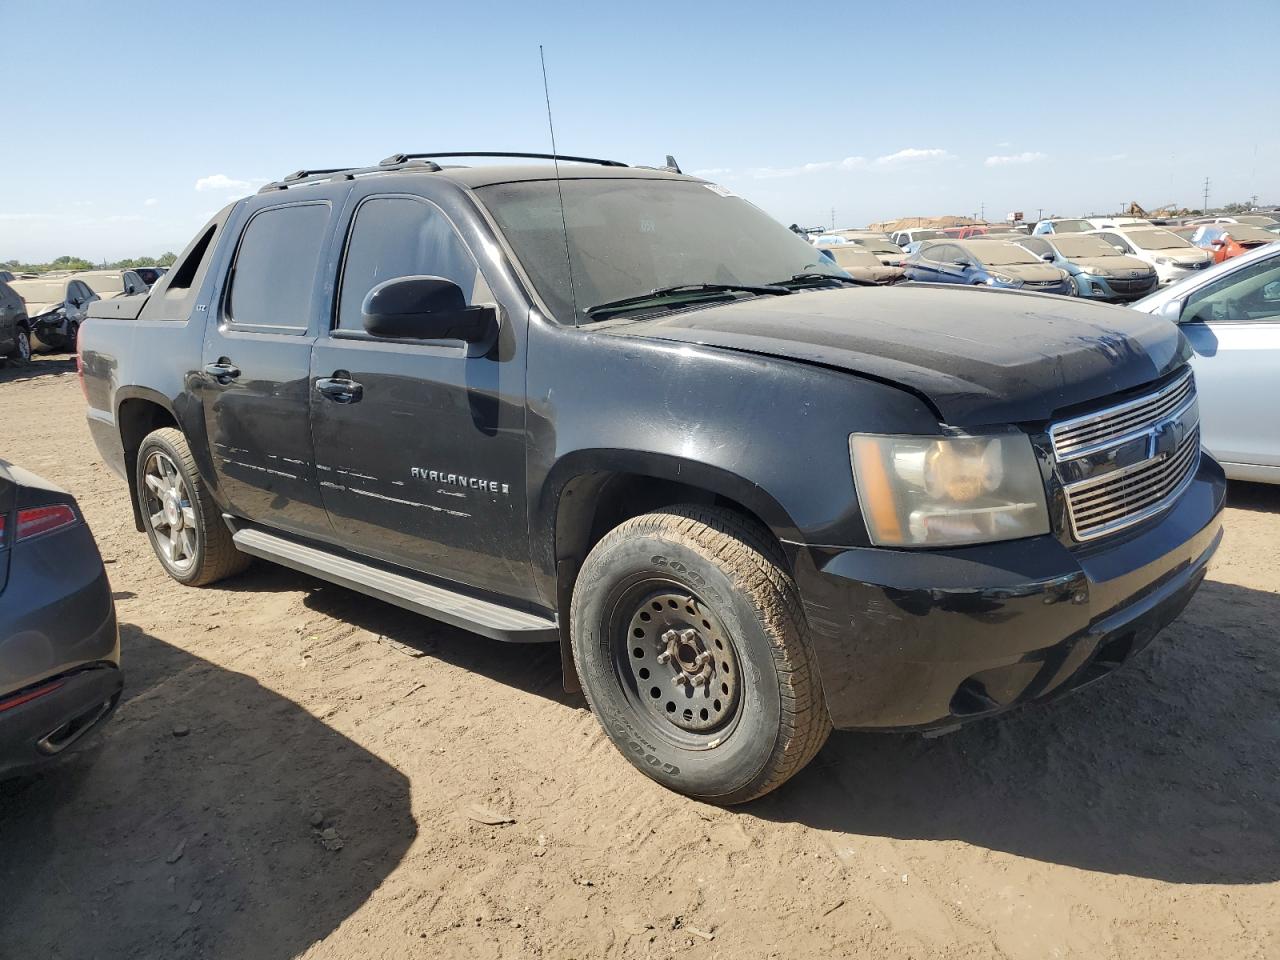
(555, 160)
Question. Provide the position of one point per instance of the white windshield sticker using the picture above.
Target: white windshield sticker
(719, 190)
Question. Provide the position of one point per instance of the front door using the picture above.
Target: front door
(422, 459)
(254, 368)
(1233, 324)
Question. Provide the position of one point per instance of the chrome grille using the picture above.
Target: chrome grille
(1080, 436)
(1102, 505)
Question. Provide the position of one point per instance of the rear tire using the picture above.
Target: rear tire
(183, 523)
(22, 345)
(655, 595)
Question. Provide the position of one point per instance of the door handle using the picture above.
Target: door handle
(340, 388)
(224, 371)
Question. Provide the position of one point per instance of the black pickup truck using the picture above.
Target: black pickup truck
(623, 410)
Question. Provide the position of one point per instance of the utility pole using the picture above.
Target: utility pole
(1205, 208)
(833, 218)
(982, 211)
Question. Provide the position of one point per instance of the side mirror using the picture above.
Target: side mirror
(1217, 244)
(1119, 248)
(1047, 257)
(424, 308)
(960, 262)
(1171, 310)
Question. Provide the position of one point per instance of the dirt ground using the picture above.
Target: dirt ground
(296, 771)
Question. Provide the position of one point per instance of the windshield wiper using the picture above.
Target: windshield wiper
(679, 291)
(801, 278)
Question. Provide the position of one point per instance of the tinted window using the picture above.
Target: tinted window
(275, 267)
(402, 237)
(1250, 293)
(1038, 247)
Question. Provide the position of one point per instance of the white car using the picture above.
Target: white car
(916, 234)
(1263, 220)
(1231, 317)
(1173, 257)
(1113, 223)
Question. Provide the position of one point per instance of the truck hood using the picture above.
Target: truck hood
(979, 356)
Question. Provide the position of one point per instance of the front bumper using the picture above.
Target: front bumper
(924, 639)
(1098, 288)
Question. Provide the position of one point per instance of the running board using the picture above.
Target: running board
(470, 613)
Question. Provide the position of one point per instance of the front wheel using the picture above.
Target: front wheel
(693, 652)
(183, 523)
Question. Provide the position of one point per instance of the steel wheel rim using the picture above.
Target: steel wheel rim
(24, 345)
(677, 664)
(170, 513)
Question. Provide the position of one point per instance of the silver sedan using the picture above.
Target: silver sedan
(1231, 316)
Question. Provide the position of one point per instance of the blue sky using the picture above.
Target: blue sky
(877, 110)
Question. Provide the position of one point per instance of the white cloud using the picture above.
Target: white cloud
(220, 181)
(1113, 158)
(818, 166)
(912, 154)
(1028, 156)
(150, 202)
(25, 216)
(124, 218)
(712, 172)
(1004, 143)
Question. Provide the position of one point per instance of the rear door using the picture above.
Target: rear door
(1233, 325)
(254, 367)
(424, 467)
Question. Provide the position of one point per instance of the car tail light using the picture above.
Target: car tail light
(35, 521)
(29, 695)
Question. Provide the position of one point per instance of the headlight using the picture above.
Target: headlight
(943, 491)
(1001, 278)
(1164, 259)
(1099, 271)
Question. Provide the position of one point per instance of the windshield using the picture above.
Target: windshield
(1245, 233)
(629, 237)
(997, 254)
(879, 246)
(1071, 226)
(926, 235)
(40, 291)
(103, 283)
(852, 255)
(1155, 239)
(1256, 219)
(1084, 246)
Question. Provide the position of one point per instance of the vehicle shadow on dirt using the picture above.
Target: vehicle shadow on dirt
(12, 371)
(531, 667)
(1261, 497)
(1166, 770)
(189, 826)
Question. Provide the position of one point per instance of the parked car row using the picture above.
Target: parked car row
(44, 312)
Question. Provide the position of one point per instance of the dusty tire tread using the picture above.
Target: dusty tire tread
(750, 557)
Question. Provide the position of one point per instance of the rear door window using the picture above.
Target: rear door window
(273, 277)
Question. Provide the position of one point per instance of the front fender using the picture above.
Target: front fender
(768, 433)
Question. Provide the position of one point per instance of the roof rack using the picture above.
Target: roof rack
(398, 158)
(418, 161)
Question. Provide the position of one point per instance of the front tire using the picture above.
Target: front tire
(693, 652)
(183, 523)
